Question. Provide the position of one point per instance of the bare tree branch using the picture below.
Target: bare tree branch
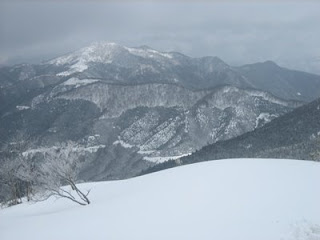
(61, 169)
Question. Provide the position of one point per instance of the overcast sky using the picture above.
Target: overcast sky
(238, 32)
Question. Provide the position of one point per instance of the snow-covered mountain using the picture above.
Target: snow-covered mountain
(134, 107)
(295, 135)
(115, 63)
(265, 199)
(136, 126)
(106, 53)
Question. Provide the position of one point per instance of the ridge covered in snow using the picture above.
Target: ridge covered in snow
(265, 199)
(101, 52)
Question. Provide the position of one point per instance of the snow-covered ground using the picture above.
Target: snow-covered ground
(164, 159)
(247, 199)
(76, 82)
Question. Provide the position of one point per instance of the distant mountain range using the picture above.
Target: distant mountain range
(116, 63)
(295, 135)
(131, 108)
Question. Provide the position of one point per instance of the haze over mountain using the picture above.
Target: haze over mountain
(129, 108)
(239, 32)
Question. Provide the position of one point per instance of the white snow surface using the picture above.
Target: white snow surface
(20, 108)
(266, 117)
(43, 150)
(265, 199)
(79, 82)
(123, 144)
(164, 159)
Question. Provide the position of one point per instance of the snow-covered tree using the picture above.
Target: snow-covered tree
(52, 172)
(15, 171)
(57, 174)
(10, 184)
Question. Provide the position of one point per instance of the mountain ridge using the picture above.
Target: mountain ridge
(148, 121)
(294, 135)
(137, 107)
(138, 65)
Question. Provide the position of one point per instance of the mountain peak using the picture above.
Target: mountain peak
(267, 65)
(270, 63)
(214, 63)
(97, 51)
(102, 52)
(213, 59)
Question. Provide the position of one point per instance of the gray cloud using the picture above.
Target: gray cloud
(238, 32)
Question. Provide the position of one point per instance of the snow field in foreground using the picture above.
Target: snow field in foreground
(232, 199)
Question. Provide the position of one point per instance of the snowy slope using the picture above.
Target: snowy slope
(102, 52)
(246, 199)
